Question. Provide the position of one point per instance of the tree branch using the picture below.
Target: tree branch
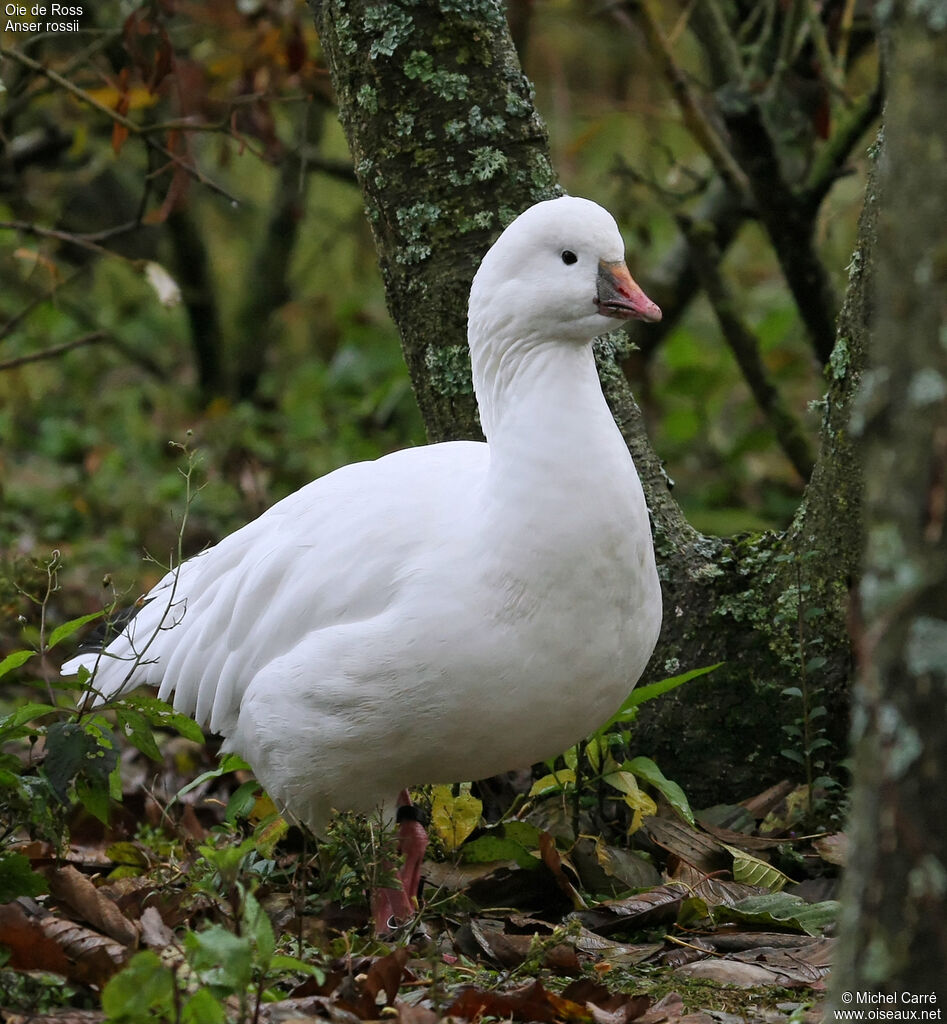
(53, 351)
(674, 282)
(697, 123)
(835, 151)
(788, 221)
(746, 346)
(114, 115)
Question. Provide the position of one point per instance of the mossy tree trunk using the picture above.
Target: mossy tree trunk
(894, 929)
(448, 148)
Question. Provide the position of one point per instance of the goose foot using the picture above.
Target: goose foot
(393, 907)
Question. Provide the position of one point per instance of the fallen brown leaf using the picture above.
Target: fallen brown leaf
(644, 910)
(604, 1006)
(695, 848)
(833, 849)
(63, 1016)
(38, 941)
(154, 932)
(533, 1003)
(68, 885)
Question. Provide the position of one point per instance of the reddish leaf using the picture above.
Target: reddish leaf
(416, 1014)
(38, 941)
(119, 131)
(553, 861)
(163, 61)
(687, 843)
(533, 1004)
(385, 975)
(295, 48)
(606, 1008)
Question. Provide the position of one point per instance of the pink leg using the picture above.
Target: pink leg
(395, 906)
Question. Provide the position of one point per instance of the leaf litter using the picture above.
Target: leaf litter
(564, 929)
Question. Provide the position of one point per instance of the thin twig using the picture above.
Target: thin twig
(833, 153)
(131, 126)
(833, 73)
(793, 19)
(845, 34)
(89, 242)
(714, 33)
(53, 351)
(745, 346)
(694, 118)
(37, 301)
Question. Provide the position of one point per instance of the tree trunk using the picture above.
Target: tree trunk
(894, 928)
(448, 148)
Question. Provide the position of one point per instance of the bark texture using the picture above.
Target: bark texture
(448, 148)
(894, 928)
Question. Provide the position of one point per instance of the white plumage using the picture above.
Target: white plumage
(446, 612)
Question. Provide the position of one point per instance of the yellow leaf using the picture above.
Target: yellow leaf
(263, 808)
(453, 818)
(624, 782)
(641, 804)
(138, 97)
(556, 780)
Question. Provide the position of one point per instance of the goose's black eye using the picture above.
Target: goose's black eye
(569, 257)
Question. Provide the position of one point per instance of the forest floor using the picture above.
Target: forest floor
(196, 903)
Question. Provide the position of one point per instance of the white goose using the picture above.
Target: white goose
(446, 612)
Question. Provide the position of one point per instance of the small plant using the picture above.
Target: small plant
(807, 731)
(69, 750)
(220, 973)
(600, 764)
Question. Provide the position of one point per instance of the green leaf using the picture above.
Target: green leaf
(782, 910)
(793, 755)
(268, 834)
(223, 958)
(228, 763)
(141, 992)
(126, 853)
(94, 797)
(791, 691)
(243, 800)
(12, 725)
(647, 770)
(203, 1008)
(753, 871)
(138, 732)
(553, 782)
(162, 715)
(17, 878)
(257, 924)
(14, 660)
(60, 633)
(489, 848)
(228, 859)
(67, 746)
(281, 962)
(645, 693)
(623, 781)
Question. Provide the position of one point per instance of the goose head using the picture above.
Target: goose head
(557, 273)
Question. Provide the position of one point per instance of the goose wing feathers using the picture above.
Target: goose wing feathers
(209, 627)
